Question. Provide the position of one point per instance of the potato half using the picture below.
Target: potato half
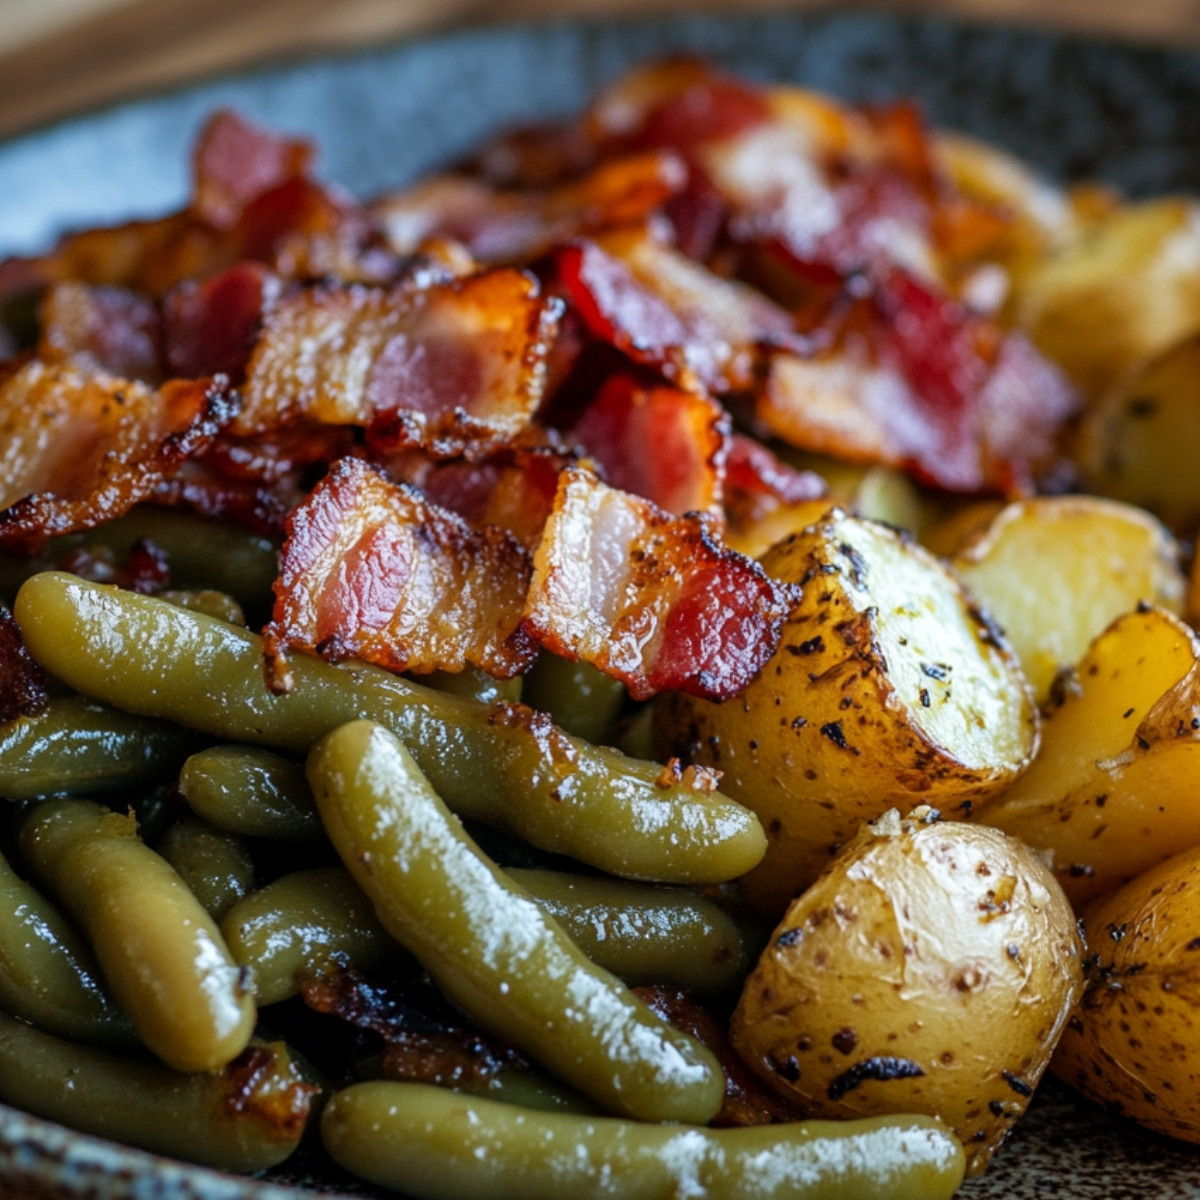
(1056, 571)
(931, 970)
(1115, 787)
(1134, 1043)
(889, 689)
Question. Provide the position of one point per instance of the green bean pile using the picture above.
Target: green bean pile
(145, 953)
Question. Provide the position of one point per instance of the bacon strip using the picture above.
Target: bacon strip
(81, 448)
(371, 570)
(661, 443)
(101, 329)
(652, 600)
(442, 366)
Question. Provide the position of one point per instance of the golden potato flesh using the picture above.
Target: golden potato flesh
(1123, 291)
(1139, 442)
(1056, 571)
(1134, 1043)
(931, 970)
(1115, 787)
(888, 690)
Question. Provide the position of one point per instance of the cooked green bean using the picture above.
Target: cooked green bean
(644, 933)
(505, 765)
(529, 1089)
(581, 699)
(436, 1144)
(215, 865)
(48, 976)
(489, 946)
(201, 552)
(300, 924)
(473, 684)
(239, 1119)
(160, 952)
(208, 601)
(80, 745)
(251, 791)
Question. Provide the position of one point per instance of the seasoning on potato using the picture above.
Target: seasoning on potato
(889, 689)
(931, 969)
(1131, 1045)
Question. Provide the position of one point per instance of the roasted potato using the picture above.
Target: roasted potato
(1139, 442)
(1055, 571)
(889, 689)
(1115, 787)
(1123, 291)
(930, 970)
(1134, 1043)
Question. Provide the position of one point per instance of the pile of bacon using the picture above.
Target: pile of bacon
(495, 412)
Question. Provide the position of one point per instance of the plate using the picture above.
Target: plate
(1074, 108)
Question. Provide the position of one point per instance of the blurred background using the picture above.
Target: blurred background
(58, 56)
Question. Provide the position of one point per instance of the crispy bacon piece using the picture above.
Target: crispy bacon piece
(101, 329)
(661, 443)
(81, 448)
(668, 312)
(652, 600)
(757, 482)
(503, 226)
(22, 681)
(372, 570)
(234, 161)
(442, 366)
(922, 383)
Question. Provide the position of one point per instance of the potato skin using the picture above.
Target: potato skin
(1134, 1043)
(931, 970)
(888, 689)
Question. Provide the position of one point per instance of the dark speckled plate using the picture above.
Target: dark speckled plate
(1073, 108)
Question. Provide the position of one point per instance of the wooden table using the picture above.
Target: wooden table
(57, 56)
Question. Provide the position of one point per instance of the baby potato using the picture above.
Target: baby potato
(888, 689)
(1115, 787)
(1095, 558)
(1139, 442)
(1123, 291)
(1134, 1043)
(931, 970)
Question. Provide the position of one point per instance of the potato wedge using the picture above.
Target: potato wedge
(1056, 571)
(1139, 442)
(1126, 289)
(930, 970)
(1115, 787)
(888, 690)
(1134, 1042)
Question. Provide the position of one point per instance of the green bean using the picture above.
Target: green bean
(302, 923)
(473, 684)
(208, 601)
(435, 1144)
(644, 933)
(246, 1118)
(251, 791)
(159, 950)
(201, 552)
(48, 976)
(488, 945)
(580, 699)
(80, 745)
(528, 1089)
(215, 865)
(504, 765)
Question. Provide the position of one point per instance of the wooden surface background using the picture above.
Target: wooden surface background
(58, 56)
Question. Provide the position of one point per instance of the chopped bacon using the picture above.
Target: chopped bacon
(652, 600)
(81, 448)
(101, 329)
(210, 328)
(924, 384)
(235, 161)
(23, 683)
(658, 442)
(666, 311)
(505, 226)
(372, 570)
(442, 366)
(757, 482)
